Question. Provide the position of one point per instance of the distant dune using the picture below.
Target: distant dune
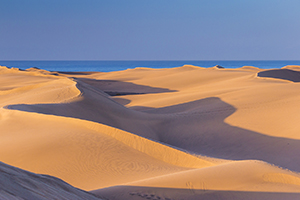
(182, 133)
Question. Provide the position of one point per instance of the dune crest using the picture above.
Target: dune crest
(250, 68)
(292, 67)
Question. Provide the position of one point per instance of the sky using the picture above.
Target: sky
(149, 30)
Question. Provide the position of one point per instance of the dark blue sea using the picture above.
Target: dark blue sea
(108, 66)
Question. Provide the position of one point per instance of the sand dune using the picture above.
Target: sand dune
(201, 121)
(181, 133)
(34, 87)
(224, 113)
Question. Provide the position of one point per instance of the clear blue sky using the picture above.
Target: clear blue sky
(150, 30)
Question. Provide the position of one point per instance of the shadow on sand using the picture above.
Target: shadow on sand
(118, 88)
(284, 74)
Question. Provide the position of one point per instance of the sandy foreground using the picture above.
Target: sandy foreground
(160, 134)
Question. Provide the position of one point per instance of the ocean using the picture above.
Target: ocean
(108, 66)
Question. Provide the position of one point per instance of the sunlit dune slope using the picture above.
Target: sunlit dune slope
(234, 180)
(34, 87)
(235, 176)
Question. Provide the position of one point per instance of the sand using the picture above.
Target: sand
(180, 133)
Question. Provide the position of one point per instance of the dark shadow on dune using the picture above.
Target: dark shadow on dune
(16, 183)
(284, 74)
(122, 101)
(197, 127)
(140, 108)
(155, 193)
(77, 73)
(120, 88)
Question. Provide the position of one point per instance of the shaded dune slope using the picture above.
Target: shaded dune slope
(118, 88)
(17, 184)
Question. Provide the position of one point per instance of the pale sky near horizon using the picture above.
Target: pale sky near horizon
(150, 30)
